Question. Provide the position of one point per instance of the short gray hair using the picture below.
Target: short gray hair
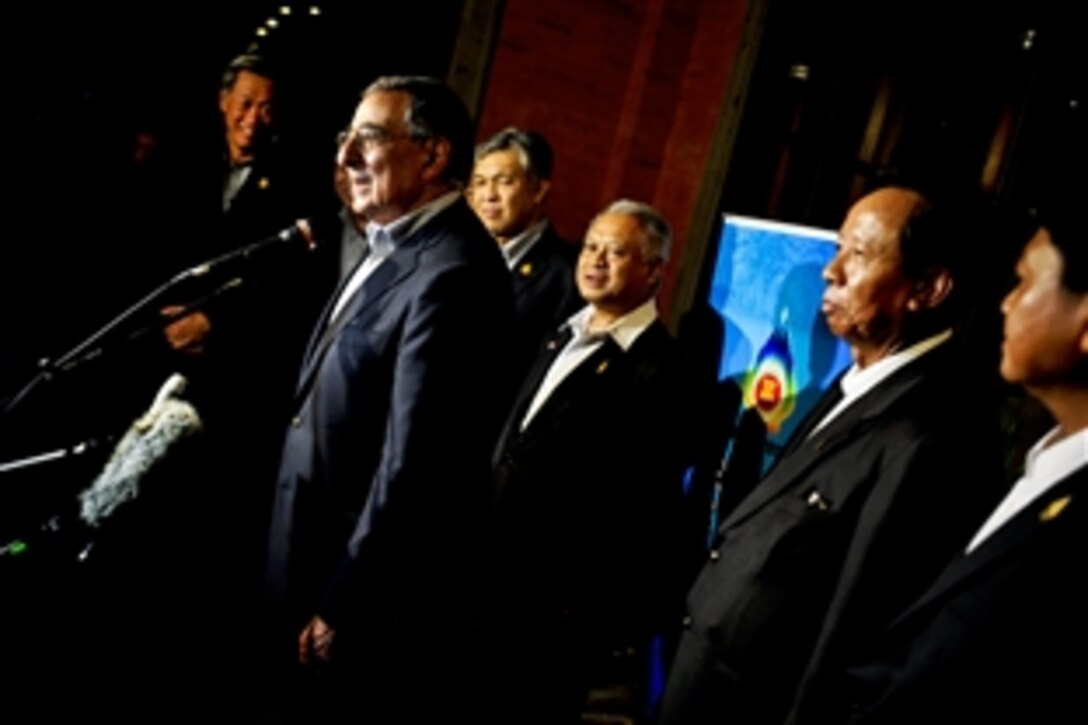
(435, 111)
(534, 151)
(655, 228)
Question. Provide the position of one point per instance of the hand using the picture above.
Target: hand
(315, 642)
(187, 334)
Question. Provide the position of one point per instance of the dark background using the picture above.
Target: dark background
(98, 96)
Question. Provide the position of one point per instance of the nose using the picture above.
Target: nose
(1006, 302)
(832, 273)
(347, 154)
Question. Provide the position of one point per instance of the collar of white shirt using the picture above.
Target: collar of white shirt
(383, 239)
(858, 381)
(400, 229)
(623, 331)
(516, 249)
(1046, 464)
(1055, 460)
(583, 343)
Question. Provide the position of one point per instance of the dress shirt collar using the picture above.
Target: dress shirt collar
(516, 249)
(403, 227)
(1054, 461)
(1047, 464)
(624, 330)
(858, 381)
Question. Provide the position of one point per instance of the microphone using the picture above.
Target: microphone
(146, 443)
(299, 233)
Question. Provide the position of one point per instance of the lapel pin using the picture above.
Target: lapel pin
(602, 367)
(526, 269)
(1054, 509)
(816, 501)
(263, 183)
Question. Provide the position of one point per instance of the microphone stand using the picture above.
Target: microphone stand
(48, 368)
(91, 347)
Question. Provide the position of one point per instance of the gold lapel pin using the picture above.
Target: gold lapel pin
(602, 367)
(263, 183)
(1054, 509)
(526, 269)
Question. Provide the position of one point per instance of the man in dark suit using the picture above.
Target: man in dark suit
(587, 476)
(384, 478)
(260, 186)
(1000, 635)
(509, 189)
(869, 498)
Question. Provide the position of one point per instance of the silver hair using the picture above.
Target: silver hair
(533, 150)
(655, 228)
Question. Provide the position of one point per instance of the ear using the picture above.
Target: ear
(437, 159)
(223, 101)
(544, 186)
(657, 272)
(931, 291)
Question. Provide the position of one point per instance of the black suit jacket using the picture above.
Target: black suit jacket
(545, 295)
(587, 495)
(846, 530)
(1000, 635)
(396, 408)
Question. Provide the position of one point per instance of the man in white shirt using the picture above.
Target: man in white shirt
(587, 476)
(1001, 634)
(867, 501)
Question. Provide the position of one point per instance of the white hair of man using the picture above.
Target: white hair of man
(655, 228)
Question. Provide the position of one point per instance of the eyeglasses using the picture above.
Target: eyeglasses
(369, 138)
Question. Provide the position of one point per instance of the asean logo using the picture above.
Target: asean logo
(768, 391)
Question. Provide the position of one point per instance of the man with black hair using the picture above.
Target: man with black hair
(870, 497)
(998, 636)
(509, 189)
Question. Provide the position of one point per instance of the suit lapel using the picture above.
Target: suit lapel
(592, 371)
(823, 406)
(533, 267)
(549, 352)
(804, 453)
(392, 271)
(1032, 521)
(323, 324)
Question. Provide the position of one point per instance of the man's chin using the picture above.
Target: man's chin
(360, 207)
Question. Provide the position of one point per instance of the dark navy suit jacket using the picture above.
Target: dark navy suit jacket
(384, 475)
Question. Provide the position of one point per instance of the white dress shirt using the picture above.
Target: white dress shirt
(858, 381)
(584, 343)
(383, 239)
(1047, 463)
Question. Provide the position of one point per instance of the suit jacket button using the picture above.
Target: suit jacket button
(296, 421)
(715, 555)
(687, 621)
